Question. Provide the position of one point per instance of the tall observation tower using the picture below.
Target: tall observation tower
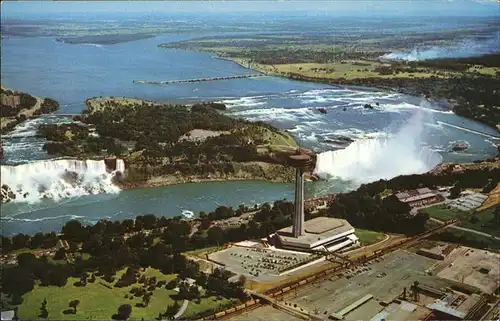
(319, 233)
(302, 164)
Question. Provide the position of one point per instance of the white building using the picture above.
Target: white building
(320, 233)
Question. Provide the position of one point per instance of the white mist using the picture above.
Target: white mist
(368, 160)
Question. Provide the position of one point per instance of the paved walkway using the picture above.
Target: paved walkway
(182, 309)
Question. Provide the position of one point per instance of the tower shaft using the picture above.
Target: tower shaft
(298, 218)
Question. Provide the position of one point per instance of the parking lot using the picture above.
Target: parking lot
(258, 263)
(385, 279)
(468, 202)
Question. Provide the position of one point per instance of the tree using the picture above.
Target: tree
(17, 281)
(242, 279)
(124, 311)
(73, 304)
(60, 254)
(455, 192)
(74, 230)
(496, 214)
(171, 311)
(215, 235)
(44, 313)
(6, 245)
(20, 241)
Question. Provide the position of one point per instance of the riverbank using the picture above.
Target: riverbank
(17, 107)
(271, 173)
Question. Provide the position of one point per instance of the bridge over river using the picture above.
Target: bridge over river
(180, 81)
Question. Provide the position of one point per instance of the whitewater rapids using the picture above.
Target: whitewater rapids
(57, 179)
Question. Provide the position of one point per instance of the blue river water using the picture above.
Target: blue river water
(71, 73)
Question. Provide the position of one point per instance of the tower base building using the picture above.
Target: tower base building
(320, 234)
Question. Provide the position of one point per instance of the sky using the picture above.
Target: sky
(20, 9)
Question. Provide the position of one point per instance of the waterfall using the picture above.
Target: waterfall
(372, 159)
(369, 160)
(58, 179)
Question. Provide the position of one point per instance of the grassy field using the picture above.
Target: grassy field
(482, 221)
(386, 192)
(443, 213)
(98, 104)
(367, 237)
(202, 252)
(99, 302)
(348, 69)
(205, 304)
(467, 239)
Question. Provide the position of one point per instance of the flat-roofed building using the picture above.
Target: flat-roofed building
(320, 233)
(419, 197)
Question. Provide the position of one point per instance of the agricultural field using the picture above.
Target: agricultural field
(349, 69)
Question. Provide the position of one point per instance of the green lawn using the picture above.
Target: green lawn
(484, 222)
(367, 237)
(467, 238)
(207, 250)
(386, 192)
(441, 212)
(100, 302)
(204, 304)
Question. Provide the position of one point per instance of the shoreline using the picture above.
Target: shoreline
(161, 181)
(42, 106)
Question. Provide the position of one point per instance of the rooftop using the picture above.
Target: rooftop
(316, 230)
(412, 195)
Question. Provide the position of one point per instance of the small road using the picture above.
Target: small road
(182, 309)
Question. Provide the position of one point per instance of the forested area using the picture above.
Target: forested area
(112, 246)
(156, 139)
